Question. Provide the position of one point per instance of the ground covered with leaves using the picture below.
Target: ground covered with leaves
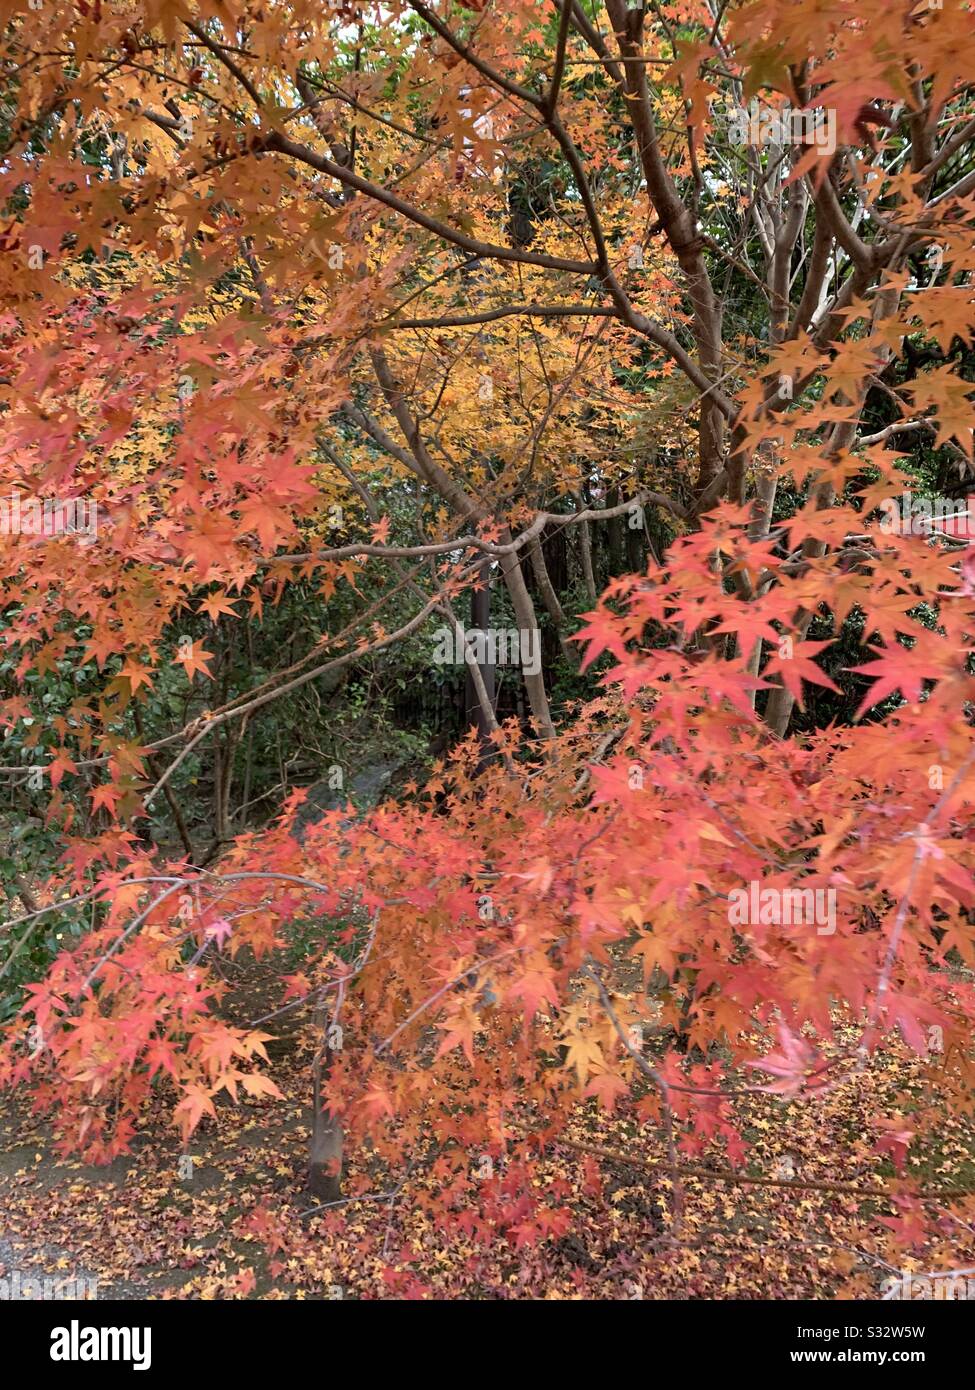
(806, 1218)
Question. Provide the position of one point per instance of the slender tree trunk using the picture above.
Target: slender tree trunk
(550, 599)
(475, 700)
(527, 622)
(325, 1153)
(421, 461)
(585, 548)
(614, 535)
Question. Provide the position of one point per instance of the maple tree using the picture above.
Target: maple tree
(382, 304)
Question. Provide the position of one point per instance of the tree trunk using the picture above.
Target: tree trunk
(477, 715)
(325, 1152)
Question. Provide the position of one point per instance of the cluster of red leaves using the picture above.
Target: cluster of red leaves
(488, 959)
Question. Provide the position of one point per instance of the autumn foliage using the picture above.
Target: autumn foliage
(269, 269)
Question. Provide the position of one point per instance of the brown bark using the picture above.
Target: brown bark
(425, 466)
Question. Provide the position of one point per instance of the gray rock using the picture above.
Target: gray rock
(365, 790)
